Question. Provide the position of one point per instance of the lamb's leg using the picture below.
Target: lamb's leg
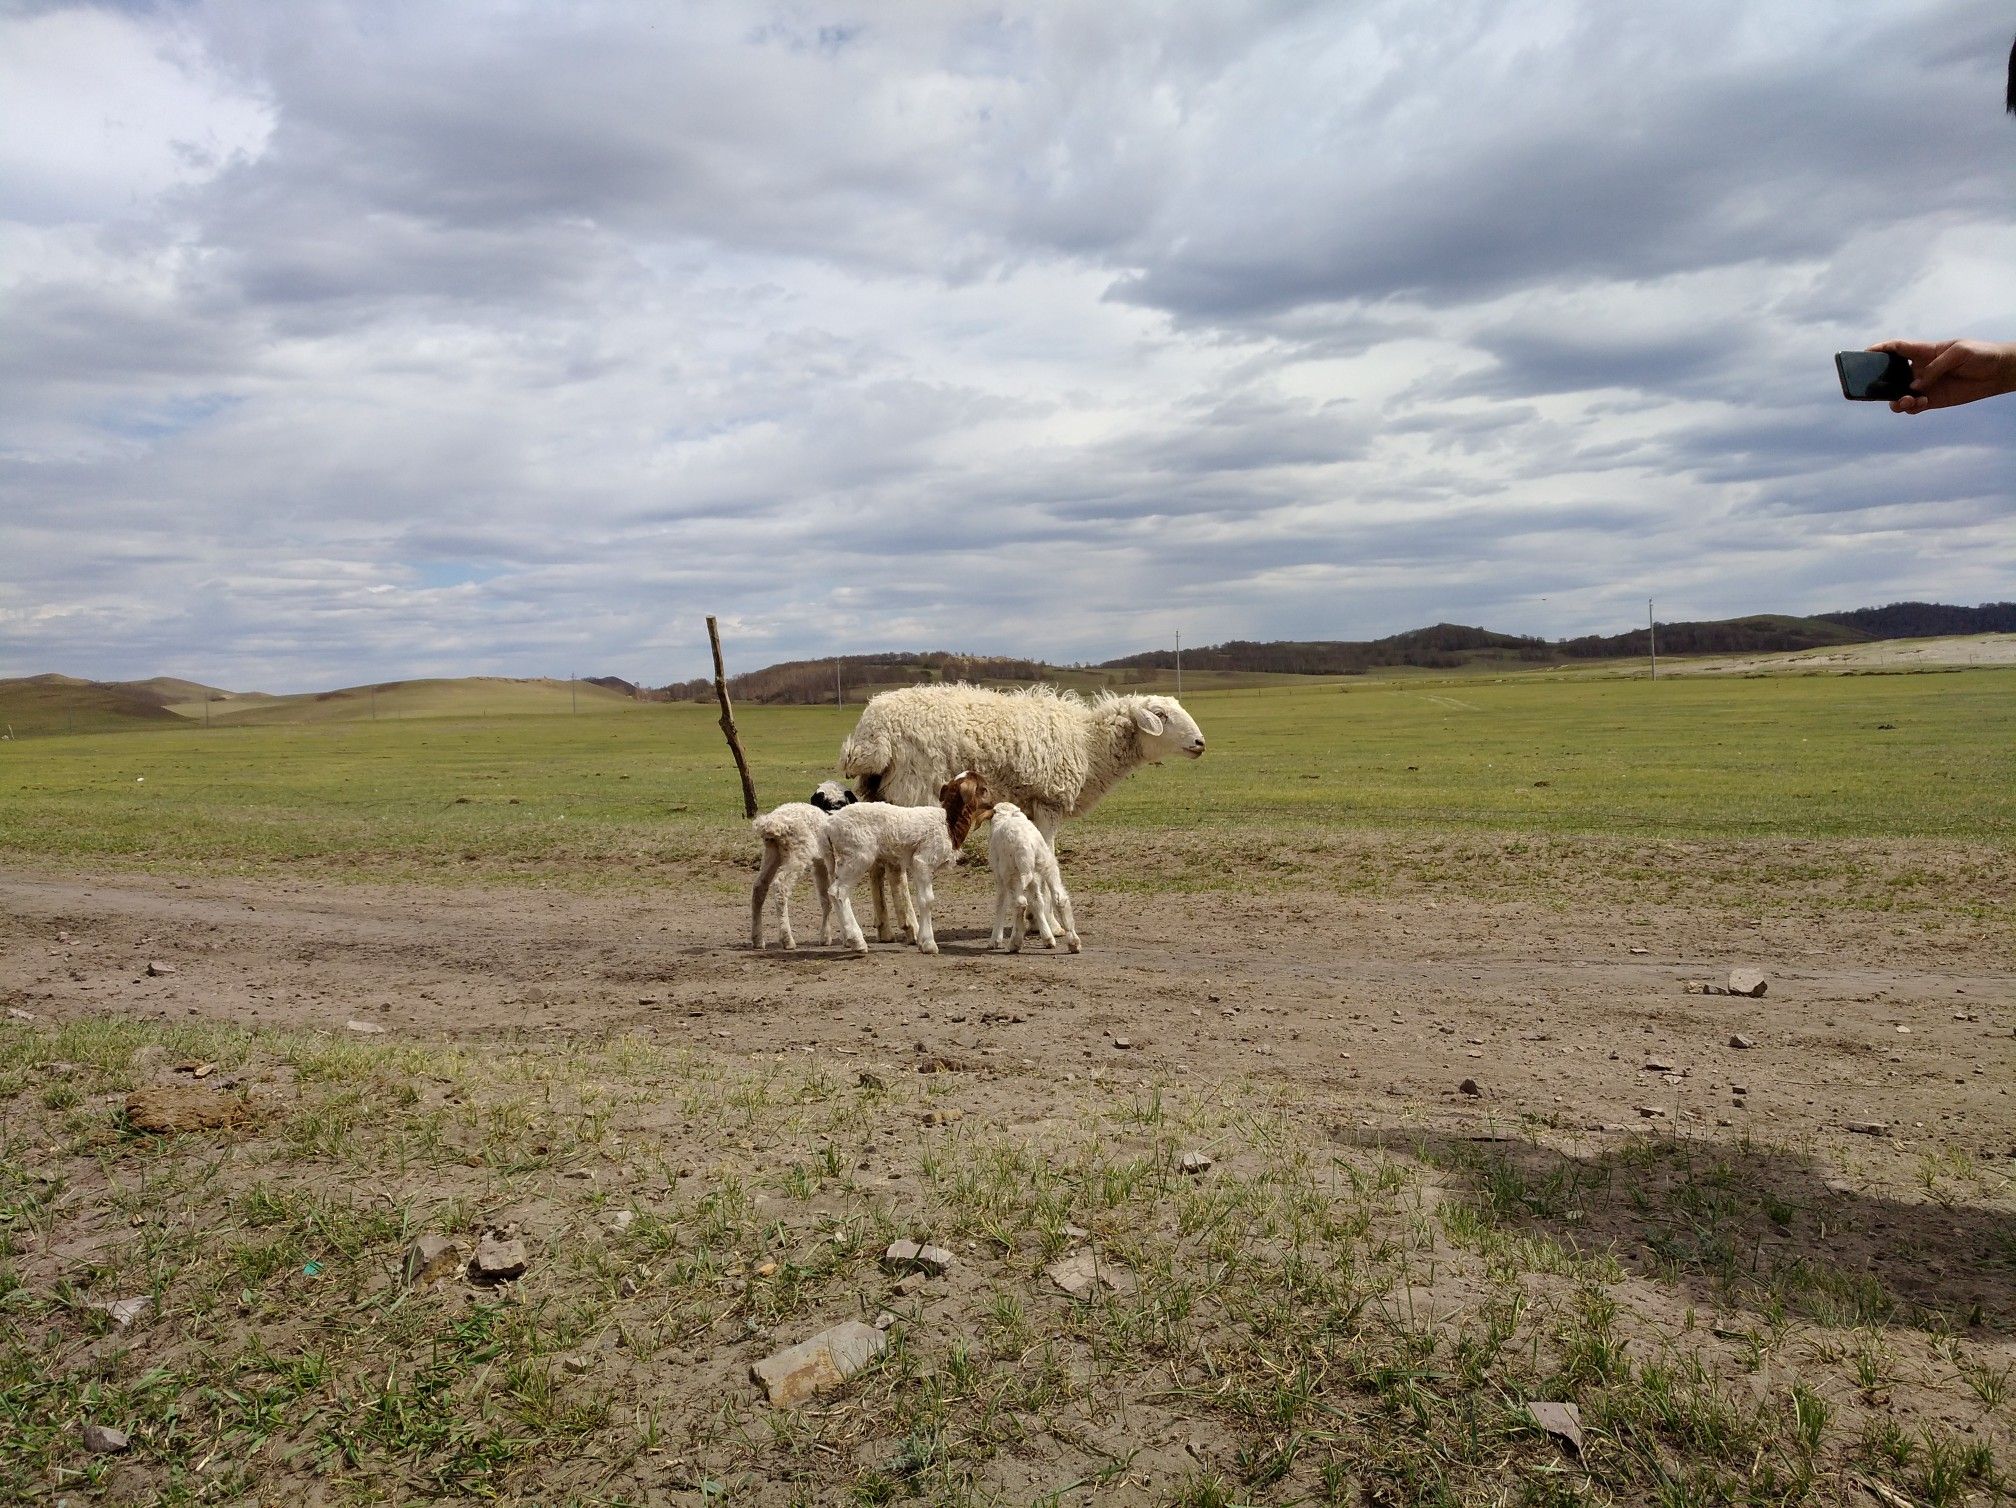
(772, 857)
(920, 886)
(1004, 911)
(839, 891)
(787, 881)
(819, 881)
(1040, 909)
(878, 878)
(1060, 903)
(902, 888)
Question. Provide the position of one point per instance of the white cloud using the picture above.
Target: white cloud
(348, 342)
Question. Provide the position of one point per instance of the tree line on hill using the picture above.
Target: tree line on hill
(1443, 646)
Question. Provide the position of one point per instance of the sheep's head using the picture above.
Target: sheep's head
(967, 804)
(1164, 728)
(831, 795)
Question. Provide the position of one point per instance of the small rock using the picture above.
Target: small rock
(1195, 1163)
(621, 1220)
(429, 1260)
(867, 1080)
(910, 1284)
(577, 1365)
(909, 1256)
(1749, 982)
(1656, 1065)
(1123, 1042)
(1652, 1112)
(1739, 1040)
(1838, 1186)
(1641, 952)
(156, 968)
(943, 1117)
(500, 1257)
(368, 1028)
(1869, 1128)
(1703, 987)
(884, 1318)
(1471, 1088)
(15, 1013)
(1562, 1420)
(1078, 1273)
(171, 1108)
(103, 1440)
(123, 1312)
(799, 1372)
(1739, 1088)
(766, 1269)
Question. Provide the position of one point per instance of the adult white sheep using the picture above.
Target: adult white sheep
(1051, 752)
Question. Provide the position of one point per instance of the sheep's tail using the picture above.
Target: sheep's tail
(865, 758)
(769, 826)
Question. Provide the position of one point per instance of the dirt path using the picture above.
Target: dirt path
(1364, 1008)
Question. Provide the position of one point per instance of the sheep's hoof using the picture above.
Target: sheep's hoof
(1073, 945)
(927, 947)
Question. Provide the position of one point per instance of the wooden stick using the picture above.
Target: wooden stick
(728, 721)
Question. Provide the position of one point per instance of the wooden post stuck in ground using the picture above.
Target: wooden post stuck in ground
(728, 721)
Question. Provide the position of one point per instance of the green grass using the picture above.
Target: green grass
(614, 795)
(1314, 1321)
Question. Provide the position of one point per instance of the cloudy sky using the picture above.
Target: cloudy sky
(343, 341)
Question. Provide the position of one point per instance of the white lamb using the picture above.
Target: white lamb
(1050, 752)
(1026, 882)
(917, 841)
(790, 835)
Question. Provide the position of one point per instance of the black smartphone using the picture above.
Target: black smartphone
(1873, 376)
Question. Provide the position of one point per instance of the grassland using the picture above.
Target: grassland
(620, 791)
(1323, 1318)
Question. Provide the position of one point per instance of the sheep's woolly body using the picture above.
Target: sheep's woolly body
(1027, 884)
(1049, 750)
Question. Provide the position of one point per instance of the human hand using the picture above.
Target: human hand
(1945, 373)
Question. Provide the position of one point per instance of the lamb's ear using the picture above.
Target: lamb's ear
(1148, 722)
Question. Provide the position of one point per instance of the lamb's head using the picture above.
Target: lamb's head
(1164, 728)
(967, 804)
(831, 795)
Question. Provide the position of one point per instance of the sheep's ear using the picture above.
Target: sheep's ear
(1148, 722)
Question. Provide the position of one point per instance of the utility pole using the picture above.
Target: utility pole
(573, 692)
(838, 699)
(1179, 662)
(1652, 638)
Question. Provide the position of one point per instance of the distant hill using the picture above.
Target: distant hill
(468, 696)
(1444, 646)
(858, 676)
(39, 704)
(1927, 620)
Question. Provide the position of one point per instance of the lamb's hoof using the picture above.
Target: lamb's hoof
(1072, 945)
(789, 944)
(927, 947)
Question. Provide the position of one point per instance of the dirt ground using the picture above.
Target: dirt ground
(1882, 1059)
(1355, 1004)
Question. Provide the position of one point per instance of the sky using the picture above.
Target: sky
(342, 342)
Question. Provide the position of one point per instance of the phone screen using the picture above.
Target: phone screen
(1873, 376)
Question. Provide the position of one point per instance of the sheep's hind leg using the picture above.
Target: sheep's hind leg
(773, 856)
(786, 882)
(843, 906)
(920, 884)
(825, 889)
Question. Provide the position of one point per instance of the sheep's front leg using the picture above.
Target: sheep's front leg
(920, 886)
(773, 856)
